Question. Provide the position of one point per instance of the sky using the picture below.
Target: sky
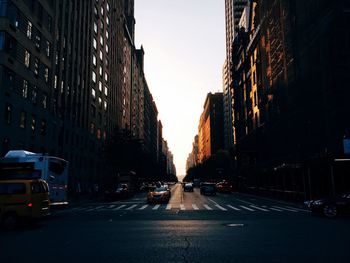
(184, 44)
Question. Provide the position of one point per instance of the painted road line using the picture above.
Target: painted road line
(221, 208)
(96, 208)
(119, 207)
(211, 200)
(259, 208)
(155, 207)
(234, 208)
(247, 208)
(275, 209)
(195, 207)
(182, 207)
(168, 207)
(131, 207)
(287, 209)
(208, 207)
(111, 206)
(143, 207)
(299, 209)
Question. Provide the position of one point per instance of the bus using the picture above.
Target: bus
(20, 164)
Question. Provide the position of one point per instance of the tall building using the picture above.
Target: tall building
(210, 129)
(233, 12)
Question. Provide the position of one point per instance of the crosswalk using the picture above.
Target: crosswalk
(191, 207)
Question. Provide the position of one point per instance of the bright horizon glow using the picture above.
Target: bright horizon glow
(184, 43)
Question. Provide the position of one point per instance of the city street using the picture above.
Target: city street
(190, 228)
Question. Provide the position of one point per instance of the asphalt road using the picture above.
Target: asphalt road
(190, 228)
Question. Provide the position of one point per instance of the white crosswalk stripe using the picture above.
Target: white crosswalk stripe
(195, 207)
(182, 207)
(247, 208)
(275, 209)
(95, 208)
(284, 208)
(155, 207)
(221, 208)
(234, 208)
(168, 207)
(259, 208)
(131, 207)
(208, 207)
(119, 207)
(143, 207)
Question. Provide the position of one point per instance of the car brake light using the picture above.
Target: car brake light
(30, 205)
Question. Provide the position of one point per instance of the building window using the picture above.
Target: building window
(107, 7)
(102, 26)
(29, 30)
(107, 49)
(107, 20)
(92, 128)
(55, 82)
(23, 119)
(101, 40)
(25, 89)
(37, 40)
(48, 49)
(46, 74)
(105, 105)
(101, 55)
(26, 58)
(36, 66)
(100, 102)
(8, 113)
(94, 43)
(95, 27)
(106, 76)
(44, 101)
(43, 127)
(93, 93)
(34, 95)
(94, 60)
(102, 10)
(100, 86)
(32, 126)
(101, 71)
(94, 76)
(98, 134)
(106, 91)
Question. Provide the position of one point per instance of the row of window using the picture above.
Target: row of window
(23, 120)
(98, 132)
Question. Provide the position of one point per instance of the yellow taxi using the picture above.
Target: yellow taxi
(159, 195)
(23, 199)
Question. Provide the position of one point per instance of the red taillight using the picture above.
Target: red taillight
(30, 205)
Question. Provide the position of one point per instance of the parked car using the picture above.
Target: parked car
(122, 191)
(159, 195)
(224, 187)
(331, 207)
(188, 187)
(208, 188)
(23, 199)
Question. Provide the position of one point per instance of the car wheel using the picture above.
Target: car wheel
(330, 211)
(10, 221)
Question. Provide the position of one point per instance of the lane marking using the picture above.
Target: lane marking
(119, 207)
(259, 208)
(234, 208)
(182, 207)
(208, 207)
(287, 209)
(249, 203)
(111, 206)
(143, 207)
(221, 208)
(275, 209)
(168, 207)
(155, 207)
(299, 209)
(96, 208)
(195, 207)
(215, 203)
(247, 208)
(131, 207)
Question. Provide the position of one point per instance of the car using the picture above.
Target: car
(188, 187)
(122, 191)
(159, 195)
(208, 188)
(224, 187)
(330, 207)
(23, 199)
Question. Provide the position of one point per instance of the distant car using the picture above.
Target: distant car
(188, 187)
(159, 195)
(208, 189)
(122, 191)
(224, 187)
(331, 207)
